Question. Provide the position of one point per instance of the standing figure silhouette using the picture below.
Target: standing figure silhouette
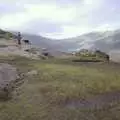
(19, 37)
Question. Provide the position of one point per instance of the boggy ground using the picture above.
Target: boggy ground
(64, 90)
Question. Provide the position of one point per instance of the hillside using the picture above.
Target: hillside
(51, 44)
(57, 89)
(105, 41)
(61, 90)
(5, 34)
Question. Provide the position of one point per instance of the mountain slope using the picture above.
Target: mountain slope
(105, 41)
(51, 44)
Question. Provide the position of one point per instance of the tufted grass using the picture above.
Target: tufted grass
(43, 96)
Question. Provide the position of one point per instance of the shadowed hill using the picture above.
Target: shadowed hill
(5, 34)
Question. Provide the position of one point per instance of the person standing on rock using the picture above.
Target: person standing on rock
(19, 37)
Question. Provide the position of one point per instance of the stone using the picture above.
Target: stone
(32, 72)
(8, 75)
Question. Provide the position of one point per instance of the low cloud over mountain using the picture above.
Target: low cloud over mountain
(105, 41)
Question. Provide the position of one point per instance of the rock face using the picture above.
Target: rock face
(8, 75)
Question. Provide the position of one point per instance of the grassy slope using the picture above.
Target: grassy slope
(42, 97)
(5, 35)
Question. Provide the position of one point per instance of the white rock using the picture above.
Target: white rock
(33, 72)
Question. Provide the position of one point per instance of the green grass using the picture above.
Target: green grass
(43, 96)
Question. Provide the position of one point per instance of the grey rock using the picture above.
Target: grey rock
(8, 75)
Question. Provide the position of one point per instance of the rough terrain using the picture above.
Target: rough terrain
(56, 89)
(10, 47)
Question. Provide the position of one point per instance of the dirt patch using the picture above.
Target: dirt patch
(98, 102)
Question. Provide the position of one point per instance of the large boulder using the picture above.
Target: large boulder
(8, 75)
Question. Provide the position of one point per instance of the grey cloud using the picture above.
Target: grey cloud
(41, 25)
(94, 18)
(10, 8)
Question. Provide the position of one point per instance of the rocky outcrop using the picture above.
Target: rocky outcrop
(8, 76)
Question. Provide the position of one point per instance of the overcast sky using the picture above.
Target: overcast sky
(59, 18)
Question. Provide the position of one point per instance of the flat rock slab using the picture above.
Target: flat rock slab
(8, 74)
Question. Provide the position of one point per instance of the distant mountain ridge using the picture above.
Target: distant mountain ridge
(51, 44)
(105, 41)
